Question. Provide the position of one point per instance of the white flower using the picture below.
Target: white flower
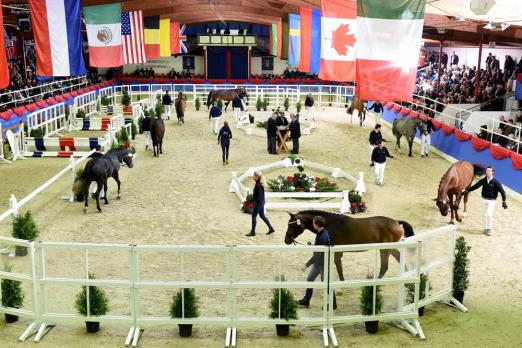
(291, 188)
(312, 189)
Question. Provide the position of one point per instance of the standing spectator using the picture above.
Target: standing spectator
(378, 108)
(214, 115)
(224, 136)
(509, 65)
(259, 204)
(489, 61)
(167, 102)
(237, 105)
(379, 155)
(145, 127)
(317, 260)
(271, 134)
(181, 105)
(295, 133)
(309, 103)
(490, 189)
(426, 138)
(375, 137)
(444, 60)
(454, 60)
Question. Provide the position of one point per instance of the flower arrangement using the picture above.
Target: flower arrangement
(248, 204)
(302, 182)
(357, 205)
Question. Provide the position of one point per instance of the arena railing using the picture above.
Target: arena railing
(64, 86)
(52, 120)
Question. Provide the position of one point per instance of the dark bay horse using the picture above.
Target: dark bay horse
(408, 129)
(99, 169)
(358, 105)
(457, 178)
(225, 95)
(347, 230)
(180, 105)
(157, 130)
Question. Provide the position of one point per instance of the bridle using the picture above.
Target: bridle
(298, 223)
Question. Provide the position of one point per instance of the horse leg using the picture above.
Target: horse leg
(410, 144)
(161, 146)
(154, 149)
(465, 204)
(451, 208)
(339, 265)
(362, 117)
(385, 254)
(226, 105)
(116, 177)
(86, 195)
(101, 184)
(398, 144)
(456, 206)
(105, 193)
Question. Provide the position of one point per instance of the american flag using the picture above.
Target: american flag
(132, 37)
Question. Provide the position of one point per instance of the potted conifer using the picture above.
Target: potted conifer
(422, 291)
(12, 296)
(461, 269)
(188, 301)
(266, 103)
(286, 103)
(126, 101)
(259, 104)
(98, 305)
(24, 227)
(134, 130)
(106, 102)
(197, 104)
(282, 306)
(366, 306)
(298, 106)
(80, 114)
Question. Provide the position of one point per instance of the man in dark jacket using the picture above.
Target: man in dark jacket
(295, 133)
(490, 189)
(454, 60)
(167, 102)
(375, 136)
(214, 115)
(379, 155)
(309, 103)
(271, 134)
(317, 260)
(378, 110)
(426, 137)
(237, 106)
(145, 127)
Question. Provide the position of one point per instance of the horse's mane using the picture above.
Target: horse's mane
(322, 213)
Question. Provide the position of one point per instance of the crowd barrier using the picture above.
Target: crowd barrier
(52, 120)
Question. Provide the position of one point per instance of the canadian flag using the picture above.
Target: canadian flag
(338, 22)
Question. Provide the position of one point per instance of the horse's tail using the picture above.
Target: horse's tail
(408, 229)
(478, 170)
(208, 98)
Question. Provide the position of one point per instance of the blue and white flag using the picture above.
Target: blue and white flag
(295, 39)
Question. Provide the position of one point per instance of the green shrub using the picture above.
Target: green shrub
(24, 227)
(422, 288)
(298, 106)
(78, 174)
(461, 266)
(12, 294)
(160, 109)
(98, 301)
(259, 104)
(263, 124)
(286, 103)
(80, 114)
(366, 299)
(105, 101)
(126, 99)
(36, 133)
(197, 104)
(134, 130)
(288, 308)
(266, 103)
(140, 124)
(189, 301)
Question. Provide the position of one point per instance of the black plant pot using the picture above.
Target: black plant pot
(282, 329)
(371, 326)
(20, 251)
(459, 296)
(92, 326)
(10, 318)
(421, 311)
(185, 330)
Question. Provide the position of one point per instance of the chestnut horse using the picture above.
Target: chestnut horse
(358, 105)
(226, 95)
(452, 187)
(347, 230)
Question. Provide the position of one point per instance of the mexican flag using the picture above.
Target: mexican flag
(103, 23)
(388, 43)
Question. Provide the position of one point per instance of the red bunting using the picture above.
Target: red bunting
(41, 104)
(389, 105)
(59, 98)
(397, 108)
(447, 129)
(436, 124)
(50, 101)
(516, 160)
(74, 93)
(461, 136)
(6, 115)
(405, 112)
(31, 107)
(414, 114)
(499, 152)
(19, 111)
(479, 144)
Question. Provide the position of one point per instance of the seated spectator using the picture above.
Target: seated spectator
(499, 139)
(483, 132)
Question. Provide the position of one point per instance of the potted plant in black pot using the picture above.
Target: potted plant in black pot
(282, 306)
(24, 227)
(422, 291)
(265, 103)
(286, 103)
(134, 130)
(366, 306)
(36, 133)
(126, 101)
(259, 104)
(197, 104)
(106, 102)
(80, 114)
(12, 296)
(98, 305)
(298, 106)
(461, 269)
(188, 301)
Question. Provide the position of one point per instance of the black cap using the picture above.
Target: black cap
(378, 125)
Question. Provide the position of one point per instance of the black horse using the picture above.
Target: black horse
(347, 230)
(100, 169)
(157, 130)
(226, 95)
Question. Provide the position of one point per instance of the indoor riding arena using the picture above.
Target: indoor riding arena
(191, 174)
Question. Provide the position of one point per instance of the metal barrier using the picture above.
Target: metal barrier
(51, 120)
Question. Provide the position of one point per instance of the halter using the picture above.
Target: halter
(298, 223)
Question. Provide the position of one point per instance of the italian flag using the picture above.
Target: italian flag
(388, 43)
(103, 25)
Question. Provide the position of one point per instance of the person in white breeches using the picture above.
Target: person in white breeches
(375, 136)
(215, 115)
(426, 138)
(379, 155)
(490, 189)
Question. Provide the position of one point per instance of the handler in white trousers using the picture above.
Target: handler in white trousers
(379, 155)
(214, 115)
(426, 138)
(167, 102)
(490, 189)
(375, 136)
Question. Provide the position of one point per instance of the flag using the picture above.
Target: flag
(177, 38)
(12, 49)
(164, 37)
(338, 40)
(152, 43)
(57, 28)
(132, 37)
(272, 43)
(518, 87)
(183, 39)
(285, 42)
(4, 69)
(295, 39)
(310, 48)
(388, 42)
(279, 38)
(103, 23)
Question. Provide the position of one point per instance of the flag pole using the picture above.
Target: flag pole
(23, 53)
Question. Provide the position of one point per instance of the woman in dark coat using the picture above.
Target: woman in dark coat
(224, 136)
(259, 204)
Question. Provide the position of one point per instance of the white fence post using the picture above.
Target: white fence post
(345, 205)
(13, 204)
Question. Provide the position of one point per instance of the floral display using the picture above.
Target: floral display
(248, 204)
(357, 205)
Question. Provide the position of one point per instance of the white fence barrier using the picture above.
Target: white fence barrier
(87, 102)
(52, 120)
(2, 158)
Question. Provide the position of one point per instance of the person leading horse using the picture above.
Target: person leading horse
(225, 95)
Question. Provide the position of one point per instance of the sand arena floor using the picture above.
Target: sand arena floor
(182, 198)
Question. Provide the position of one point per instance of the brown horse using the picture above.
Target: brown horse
(347, 230)
(180, 105)
(452, 187)
(358, 105)
(157, 130)
(225, 95)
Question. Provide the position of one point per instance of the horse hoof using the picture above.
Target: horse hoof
(99, 210)
(117, 198)
(464, 215)
(410, 155)
(451, 222)
(459, 220)
(106, 203)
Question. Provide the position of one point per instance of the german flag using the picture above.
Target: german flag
(152, 38)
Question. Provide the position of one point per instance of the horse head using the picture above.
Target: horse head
(442, 205)
(243, 93)
(127, 159)
(295, 228)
